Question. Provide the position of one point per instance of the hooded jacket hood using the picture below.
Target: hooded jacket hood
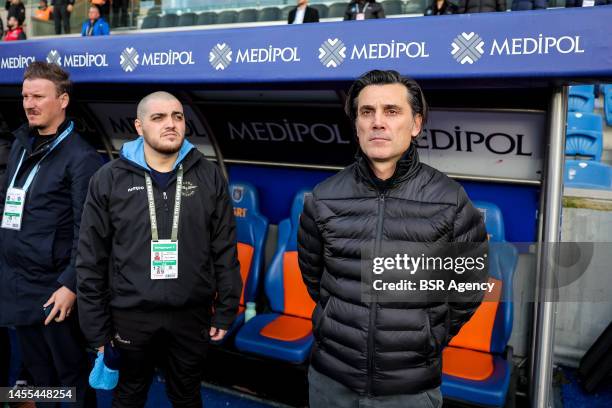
(133, 152)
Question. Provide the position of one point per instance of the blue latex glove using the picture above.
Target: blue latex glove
(102, 377)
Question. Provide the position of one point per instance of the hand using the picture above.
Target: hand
(101, 349)
(64, 300)
(69, 8)
(217, 334)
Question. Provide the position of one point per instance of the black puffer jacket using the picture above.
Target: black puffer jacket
(381, 348)
(481, 6)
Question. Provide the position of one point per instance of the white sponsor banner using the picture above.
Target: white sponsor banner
(480, 143)
(117, 119)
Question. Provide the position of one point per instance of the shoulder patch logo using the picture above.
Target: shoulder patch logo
(189, 189)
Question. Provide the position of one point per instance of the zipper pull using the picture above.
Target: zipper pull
(165, 196)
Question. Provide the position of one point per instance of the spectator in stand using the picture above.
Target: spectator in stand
(120, 7)
(441, 8)
(587, 3)
(95, 24)
(17, 9)
(104, 7)
(15, 31)
(522, 5)
(43, 12)
(363, 10)
(481, 6)
(303, 14)
(62, 10)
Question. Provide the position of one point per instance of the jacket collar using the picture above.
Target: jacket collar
(407, 167)
(25, 133)
(133, 154)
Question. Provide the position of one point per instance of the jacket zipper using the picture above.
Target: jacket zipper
(374, 304)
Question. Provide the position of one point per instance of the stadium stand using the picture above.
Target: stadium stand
(168, 20)
(187, 19)
(393, 7)
(588, 174)
(269, 14)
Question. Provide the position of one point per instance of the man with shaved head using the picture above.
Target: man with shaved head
(157, 268)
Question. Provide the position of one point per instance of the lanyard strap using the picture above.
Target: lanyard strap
(35, 169)
(177, 205)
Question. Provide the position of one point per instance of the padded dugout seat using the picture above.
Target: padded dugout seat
(584, 135)
(251, 231)
(476, 367)
(286, 332)
(581, 98)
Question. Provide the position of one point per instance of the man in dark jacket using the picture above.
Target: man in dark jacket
(61, 15)
(363, 10)
(375, 352)
(303, 14)
(440, 8)
(15, 8)
(481, 6)
(48, 173)
(157, 265)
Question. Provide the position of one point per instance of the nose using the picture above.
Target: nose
(379, 120)
(28, 103)
(169, 123)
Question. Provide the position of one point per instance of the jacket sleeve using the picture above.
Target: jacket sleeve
(291, 16)
(310, 249)
(469, 229)
(104, 29)
(501, 5)
(225, 257)
(80, 172)
(84, 28)
(348, 12)
(92, 264)
(380, 13)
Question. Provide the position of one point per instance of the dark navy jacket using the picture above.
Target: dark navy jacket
(39, 259)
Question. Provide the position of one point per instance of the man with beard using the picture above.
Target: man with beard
(158, 276)
(48, 172)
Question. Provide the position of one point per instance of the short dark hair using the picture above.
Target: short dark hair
(51, 72)
(416, 99)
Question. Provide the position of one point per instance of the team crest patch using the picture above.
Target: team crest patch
(189, 189)
(237, 194)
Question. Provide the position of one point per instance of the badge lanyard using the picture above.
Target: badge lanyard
(32, 174)
(164, 252)
(14, 203)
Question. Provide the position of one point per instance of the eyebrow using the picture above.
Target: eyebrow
(164, 113)
(390, 106)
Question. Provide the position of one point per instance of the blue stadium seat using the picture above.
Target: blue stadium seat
(584, 137)
(168, 20)
(286, 332)
(606, 90)
(321, 8)
(476, 365)
(151, 21)
(337, 10)
(581, 98)
(251, 231)
(588, 174)
(393, 7)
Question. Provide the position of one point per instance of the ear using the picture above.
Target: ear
(418, 125)
(138, 126)
(65, 100)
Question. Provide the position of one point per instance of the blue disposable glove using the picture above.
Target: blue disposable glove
(102, 377)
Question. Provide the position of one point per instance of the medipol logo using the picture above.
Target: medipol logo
(129, 59)
(85, 60)
(467, 48)
(332, 53)
(220, 57)
(53, 57)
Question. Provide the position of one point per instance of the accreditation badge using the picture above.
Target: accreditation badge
(360, 16)
(164, 259)
(13, 208)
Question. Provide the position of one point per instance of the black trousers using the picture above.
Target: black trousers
(120, 7)
(61, 15)
(55, 355)
(175, 341)
(5, 357)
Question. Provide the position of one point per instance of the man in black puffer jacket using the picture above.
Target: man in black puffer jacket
(381, 353)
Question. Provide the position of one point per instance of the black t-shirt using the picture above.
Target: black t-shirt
(161, 179)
